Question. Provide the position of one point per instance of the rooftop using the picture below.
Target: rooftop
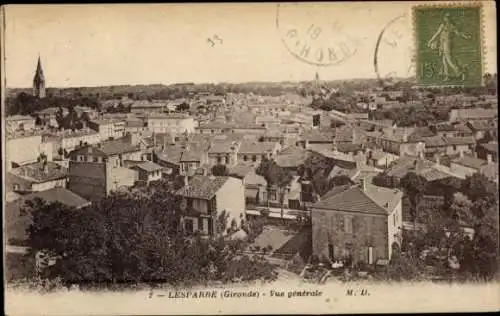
(148, 166)
(253, 147)
(36, 172)
(491, 147)
(202, 187)
(18, 118)
(469, 161)
(107, 148)
(373, 200)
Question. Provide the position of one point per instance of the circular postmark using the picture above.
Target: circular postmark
(393, 56)
(314, 35)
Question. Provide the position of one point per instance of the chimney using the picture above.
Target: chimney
(45, 167)
(461, 153)
(405, 135)
(421, 154)
(438, 160)
(362, 183)
(489, 158)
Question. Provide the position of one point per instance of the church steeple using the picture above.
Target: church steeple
(39, 80)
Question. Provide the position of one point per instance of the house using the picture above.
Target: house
(490, 148)
(16, 223)
(378, 158)
(482, 129)
(445, 130)
(95, 171)
(35, 177)
(19, 122)
(23, 148)
(359, 223)
(257, 151)
(467, 165)
(148, 171)
(174, 124)
(429, 170)
(292, 195)
(169, 158)
(292, 158)
(205, 198)
(193, 158)
(70, 140)
(395, 140)
(223, 152)
(108, 129)
(464, 115)
(47, 117)
(142, 106)
(87, 111)
(255, 185)
(448, 145)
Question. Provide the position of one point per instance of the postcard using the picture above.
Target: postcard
(250, 158)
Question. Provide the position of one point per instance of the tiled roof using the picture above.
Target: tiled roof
(443, 127)
(491, 147)
(18, 118)
(483, 125)
(339, 171)
(375, 200)
(35, 172)
(107, 148)
(170, 154)
(16, 224)
(292, 157)
(240, 170)
(202, 187)
(349, 147)
(475, 113)
(252, 147)
(222, 146)
(148, 166)
(469, 161)
(318, 136)
(191, 154)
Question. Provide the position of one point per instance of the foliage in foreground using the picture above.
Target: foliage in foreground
(132, 238)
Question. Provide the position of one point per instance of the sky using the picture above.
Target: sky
(92, 45)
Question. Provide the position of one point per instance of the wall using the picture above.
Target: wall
(22, 150)
(462, 170)
(367, 230)
(119, 177)
(87, 179)
(231, 197)
(37, 187)
(395, 226)
(455, 150)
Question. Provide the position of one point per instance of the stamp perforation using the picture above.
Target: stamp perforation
(483, 51)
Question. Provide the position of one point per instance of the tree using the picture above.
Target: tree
(340, 180)
(220, 170)
(478, 186)
(133, 237)
(414, 187)
(276, 177)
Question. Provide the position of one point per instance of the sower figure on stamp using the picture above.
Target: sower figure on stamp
(441, 40)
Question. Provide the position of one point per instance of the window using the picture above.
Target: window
(245, 157)
(16, 187)
(394, 219)
(454, 147)
(348, 224)
(331, 252)
(370, 255)
(96, 159)
(254, 158)
(227, 159)
(219, 160)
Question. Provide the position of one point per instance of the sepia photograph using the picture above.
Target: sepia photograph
(250, 158)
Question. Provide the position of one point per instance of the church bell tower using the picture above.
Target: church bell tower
(39, 81)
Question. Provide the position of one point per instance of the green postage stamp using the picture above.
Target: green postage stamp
(449, 45)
